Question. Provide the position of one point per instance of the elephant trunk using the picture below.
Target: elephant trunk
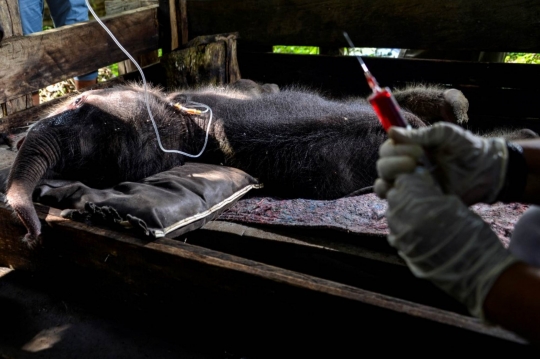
(38, 153)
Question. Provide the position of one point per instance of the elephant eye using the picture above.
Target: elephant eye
(77, 101)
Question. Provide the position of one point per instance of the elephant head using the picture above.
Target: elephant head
(100, 138)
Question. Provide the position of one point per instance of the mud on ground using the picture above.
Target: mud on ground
(7, 156)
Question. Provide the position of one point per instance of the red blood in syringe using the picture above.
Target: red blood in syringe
(382, 100)
(385, 105)
(386, 108)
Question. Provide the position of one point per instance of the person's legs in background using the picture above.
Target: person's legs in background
(31, 15)
(85, 80)
(60, 10)
(67, 12)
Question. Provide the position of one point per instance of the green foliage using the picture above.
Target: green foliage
(114, 69)
(302, 50)
(522, 58)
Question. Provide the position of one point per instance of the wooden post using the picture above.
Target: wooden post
(183, 21)
(206, 60)
(173, 24)
(10, 18)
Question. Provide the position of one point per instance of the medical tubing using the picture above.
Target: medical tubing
(196, 104)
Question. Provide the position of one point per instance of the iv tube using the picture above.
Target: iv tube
(194, 104)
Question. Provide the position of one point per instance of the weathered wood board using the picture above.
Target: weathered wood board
(206, 60)
(10, 18)
(11, 23)
(489, 25)
(28, 63)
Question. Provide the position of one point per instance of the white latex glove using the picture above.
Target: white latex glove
(472, 167)
(443, 241)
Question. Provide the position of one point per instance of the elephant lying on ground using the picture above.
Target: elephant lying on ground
(298, 143)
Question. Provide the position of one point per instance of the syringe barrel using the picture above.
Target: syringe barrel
(387, 109)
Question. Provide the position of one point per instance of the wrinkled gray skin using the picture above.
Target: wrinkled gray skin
(298, 143)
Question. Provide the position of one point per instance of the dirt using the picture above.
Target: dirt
(7, 156)
(44, 318)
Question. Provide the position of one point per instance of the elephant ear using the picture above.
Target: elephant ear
(168, 204)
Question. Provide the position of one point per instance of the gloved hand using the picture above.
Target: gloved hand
(443, 241)
(472, 167)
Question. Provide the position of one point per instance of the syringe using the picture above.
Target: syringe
(382, 100)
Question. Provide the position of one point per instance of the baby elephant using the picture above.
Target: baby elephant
(297, 142)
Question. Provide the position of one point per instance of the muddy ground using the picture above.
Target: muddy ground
(7, 156)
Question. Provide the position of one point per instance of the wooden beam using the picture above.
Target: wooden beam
(170, 22)
(10, 20)
(28, 63)
(183, 22)
(174, 24)
(488, 25)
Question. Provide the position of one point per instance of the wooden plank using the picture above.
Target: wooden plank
(183, 22)
(169, 25)
(18, 104)
(355, 265)
(118, 6)
(28, 63)
(11, 23)
(490, 25)
(173, 24)
(10, 18)
(350, 243)
(137, 261)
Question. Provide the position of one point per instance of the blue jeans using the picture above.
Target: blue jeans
(63, 12)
